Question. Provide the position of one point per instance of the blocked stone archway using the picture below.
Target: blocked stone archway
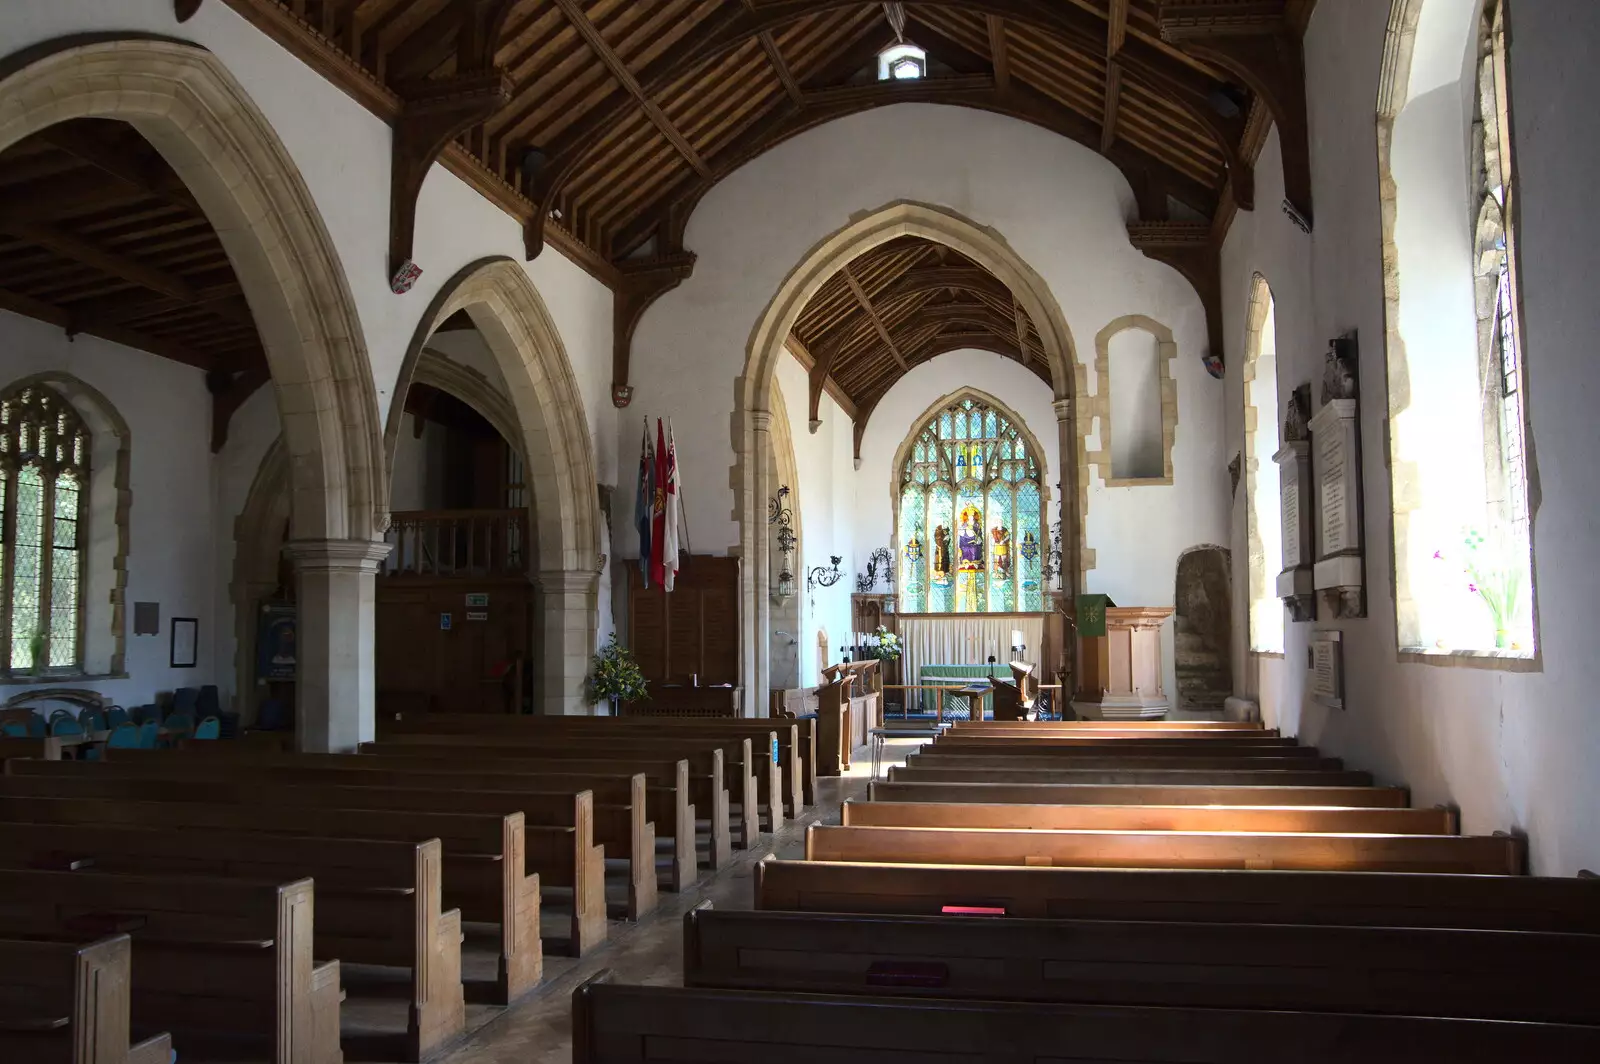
(752, 418)
(552, 431)
(196, 114)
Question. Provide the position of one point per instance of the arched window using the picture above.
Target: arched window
(44, 478)
(1263, 498)
(1458, 425)
(902, 62)
(970, 500)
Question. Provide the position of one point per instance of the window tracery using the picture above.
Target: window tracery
(969, 510)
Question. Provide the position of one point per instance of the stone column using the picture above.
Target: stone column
(335, 640)
(570, 619)
(760, 563)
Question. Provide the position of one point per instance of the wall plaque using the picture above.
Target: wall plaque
(1325, 670)
(1339, 574)
(1295, 584)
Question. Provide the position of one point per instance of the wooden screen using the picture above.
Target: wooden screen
(692, 632)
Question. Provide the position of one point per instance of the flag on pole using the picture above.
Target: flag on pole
(658, 513)
(674, 507)
(644, 502)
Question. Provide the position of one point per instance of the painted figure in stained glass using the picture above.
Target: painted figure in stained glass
(941, 556)
(1002, 551)
(914, 549)
(971, 540)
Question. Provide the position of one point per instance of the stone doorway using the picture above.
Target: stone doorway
(1203, 638)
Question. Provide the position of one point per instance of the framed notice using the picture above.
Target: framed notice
(185, 642)
(275, 642)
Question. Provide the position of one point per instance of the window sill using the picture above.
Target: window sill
(56, 679)
(1494, 660)
(1275, 655)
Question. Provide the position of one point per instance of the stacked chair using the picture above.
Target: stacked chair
(1145, 892)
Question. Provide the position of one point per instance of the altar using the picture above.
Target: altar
(958, 704)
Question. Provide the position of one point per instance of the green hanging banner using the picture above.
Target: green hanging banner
(1092, 614)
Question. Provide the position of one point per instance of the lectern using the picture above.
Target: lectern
(1120, 673)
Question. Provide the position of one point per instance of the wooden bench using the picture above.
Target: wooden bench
(1230, 741)
(39, 749)
(708, 797)
(1136, 794)
(1131, 759)
(1203, 777)
(1482, 855)
(1365, 899)
(224, 965)
(563, 855)
(793, 736)
(483, 864)
(1393, 971)
(68, 1003)
(1148, 727)
(614, 1024)
(622, 826)
(1208, 817)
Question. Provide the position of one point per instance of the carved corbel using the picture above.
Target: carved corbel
(228, 393)
(185, 9)
(436, 112)
(1254, 41)
(820, 370)
(641, 284)
(1188, 248)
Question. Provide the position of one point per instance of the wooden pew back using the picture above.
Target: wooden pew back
(68, 1003)
(1201, 777)
(1148, 817)
(1137, 794)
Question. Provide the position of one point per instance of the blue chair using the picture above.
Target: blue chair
(140, 714)
(272, 717)
(65, 724)
(210, 702)
(14, 729)
(116, 716)
(36, 726)
(179, 726)
(149, 733)
(124, 736)
(210, 728)
(91, 719)
(184, 700)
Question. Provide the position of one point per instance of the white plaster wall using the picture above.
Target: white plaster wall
(1134, 357)
(1513, 751)
(252, 430)
(172, 556)
(897, 414)
(1061, 206)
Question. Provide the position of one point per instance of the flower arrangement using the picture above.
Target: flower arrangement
(883, 645)
(1494, 580)
(616, 676)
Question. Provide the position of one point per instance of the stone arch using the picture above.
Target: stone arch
(258, 540)
(1099, 405)
(105, 576)
(552, 430)
(438, 370)
(752, 418)
(787, 616)
(195, 113)
(1260, 572)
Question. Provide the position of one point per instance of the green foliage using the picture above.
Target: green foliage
(883, 645)
(616, 675)
(36, 646)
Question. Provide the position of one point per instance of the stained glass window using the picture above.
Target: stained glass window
(969, 515)
(44, 470)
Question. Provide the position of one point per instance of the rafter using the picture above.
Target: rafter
(872, 315)
(780, 67)
(1116, 36)
(999, 56)
(75, 323)
(803, 354)
(642, 283)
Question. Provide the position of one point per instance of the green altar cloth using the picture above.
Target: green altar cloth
(959, 706)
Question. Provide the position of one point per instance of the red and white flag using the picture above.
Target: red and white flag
(674, 512)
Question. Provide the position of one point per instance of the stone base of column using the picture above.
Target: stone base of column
(570, 619)
(335, 639)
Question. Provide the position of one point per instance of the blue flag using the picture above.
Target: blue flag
(644, 502)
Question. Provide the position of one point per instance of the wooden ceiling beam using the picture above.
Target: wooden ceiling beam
(780, 67)
(642, 283)
(134, 170)
(999, 57)
(575, 14)
(1116, 36)
(1189, 248)
(75, 323)
(803, 355)
(872, 315)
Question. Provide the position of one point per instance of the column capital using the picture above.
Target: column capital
(360, 556)
(761, 420)
(567, 581)
(1063, 409)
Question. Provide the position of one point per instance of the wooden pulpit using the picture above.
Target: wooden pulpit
(1120, 672)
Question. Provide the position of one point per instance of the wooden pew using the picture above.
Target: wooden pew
(1146, 727)
(224, 965)
(620, 826)
(794, 737)
(835, 729)
(1137, 794)
(1482, 855)
(1393, 971)
(718, 777)
(614, 1024)
(1096, 745)
(1149, 818)
(483, 868)
(707, 795)
(377, 901)
(67, 1003)
(1134, 759)
(563, 856)
(1358, 899)
(1203, 777)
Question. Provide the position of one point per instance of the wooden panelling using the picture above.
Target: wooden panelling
(693, 632)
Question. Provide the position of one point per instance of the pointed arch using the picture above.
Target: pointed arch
(752, 416)
(196, 114)
(552, 431)
(258, 540)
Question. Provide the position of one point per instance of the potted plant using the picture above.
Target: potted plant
(41, 655)
(883, 645)
(616, 677)
(1496, 582)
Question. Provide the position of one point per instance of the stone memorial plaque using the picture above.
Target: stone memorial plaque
(1326, 674)
(1291, 522)
(1331, 462)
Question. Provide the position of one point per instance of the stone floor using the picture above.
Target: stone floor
(539, 1031)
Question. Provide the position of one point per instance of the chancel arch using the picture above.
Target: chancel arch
(1263, 412)
(551, 434)
(768, 340)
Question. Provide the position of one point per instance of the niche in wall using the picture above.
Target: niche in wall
(1204, 632)
(1135, 405)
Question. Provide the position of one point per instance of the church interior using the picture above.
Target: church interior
(978, 530)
